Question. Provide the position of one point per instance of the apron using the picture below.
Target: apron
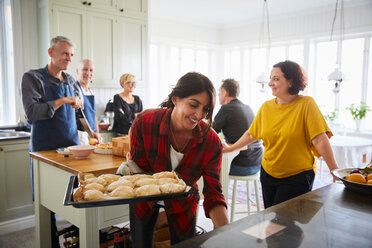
(89, 109)
(60, 130)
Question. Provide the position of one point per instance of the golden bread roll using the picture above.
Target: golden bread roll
(123, 192)
(96, 186)
(146, 190)
(135, 177)
(94, 180)
(145, 181)
(170, 188)
(165, 174)
(109, 178)
(93, 195)
(118, 183)
(167, 180)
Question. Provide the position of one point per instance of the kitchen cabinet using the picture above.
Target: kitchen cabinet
(115, 40)
(15, 180)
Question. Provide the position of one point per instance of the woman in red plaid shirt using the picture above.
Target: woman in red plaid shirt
(175, 137)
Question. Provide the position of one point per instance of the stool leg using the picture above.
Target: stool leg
(258, 204)
(233, 202)
(248, 197)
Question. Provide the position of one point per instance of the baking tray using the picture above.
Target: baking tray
(74, 183)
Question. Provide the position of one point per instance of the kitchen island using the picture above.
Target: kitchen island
(52, 172)
(331, 216)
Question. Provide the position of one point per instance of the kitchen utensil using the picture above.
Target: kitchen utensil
(85, 123)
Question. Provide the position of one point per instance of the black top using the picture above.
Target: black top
(123, 119)
(233, 119)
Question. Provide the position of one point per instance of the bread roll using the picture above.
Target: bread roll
(109, 178)
(96, 186)
(94, 180)
(123, 192)
(165, 174)
(145, 181)
(167, 180)
(93, 195)
(118, 183)
(146, 190)
(135, 177)
(170, 188)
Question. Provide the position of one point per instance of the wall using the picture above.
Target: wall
(306, 25)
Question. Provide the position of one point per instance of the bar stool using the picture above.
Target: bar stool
(248, 179)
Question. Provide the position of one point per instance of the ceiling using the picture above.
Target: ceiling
(220, 13)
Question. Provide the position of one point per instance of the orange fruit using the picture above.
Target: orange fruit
(369, 177)
(356, 178)
(369, 182)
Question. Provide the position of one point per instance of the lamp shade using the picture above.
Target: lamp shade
(336, 75)
(263, 78)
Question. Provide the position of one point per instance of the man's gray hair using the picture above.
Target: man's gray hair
(54, 41)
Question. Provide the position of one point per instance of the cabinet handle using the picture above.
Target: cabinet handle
(85, 3)
(1, 149)
(121, 10)
(89, 3)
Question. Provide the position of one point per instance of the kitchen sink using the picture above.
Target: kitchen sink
(4, 134)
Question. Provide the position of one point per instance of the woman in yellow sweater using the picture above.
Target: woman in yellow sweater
(293, 131)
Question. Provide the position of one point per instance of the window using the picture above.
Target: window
(169, 62)
(7, 81)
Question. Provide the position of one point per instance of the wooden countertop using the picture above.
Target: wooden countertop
(95, 163)
(332, 216)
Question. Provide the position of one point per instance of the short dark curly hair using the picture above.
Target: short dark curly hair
(293, 72)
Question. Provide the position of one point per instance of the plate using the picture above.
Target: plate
(103, 151)
(63, 151)
(356, 187)
(74, 183)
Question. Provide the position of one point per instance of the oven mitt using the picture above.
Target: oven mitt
(129, 167)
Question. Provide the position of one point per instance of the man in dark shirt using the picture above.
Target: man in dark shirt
(233, 119)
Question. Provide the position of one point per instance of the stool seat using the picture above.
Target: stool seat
(254, 178)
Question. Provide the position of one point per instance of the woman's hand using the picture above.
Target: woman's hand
(226, 147)
(218, 216)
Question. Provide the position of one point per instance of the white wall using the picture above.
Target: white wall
(357, 19)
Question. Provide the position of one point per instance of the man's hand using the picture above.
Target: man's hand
(74, 102)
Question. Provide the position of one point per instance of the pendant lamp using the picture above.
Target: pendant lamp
(264, 76)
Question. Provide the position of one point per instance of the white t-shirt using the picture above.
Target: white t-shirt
(176, 158)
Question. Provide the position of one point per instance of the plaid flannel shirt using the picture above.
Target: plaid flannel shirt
(150, 149)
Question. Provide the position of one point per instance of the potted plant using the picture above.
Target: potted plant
(358, 113)
(331, 117)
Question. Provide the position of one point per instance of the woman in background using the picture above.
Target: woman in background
(293, 130)
(126, 105)
(179, 137)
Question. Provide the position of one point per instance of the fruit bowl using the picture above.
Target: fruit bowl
(103, 126)
(356, 187)
(81, 151)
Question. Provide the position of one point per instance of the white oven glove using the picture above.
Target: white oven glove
(128, 168)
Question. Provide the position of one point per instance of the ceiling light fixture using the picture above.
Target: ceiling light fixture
(337, 75)
(264, 77)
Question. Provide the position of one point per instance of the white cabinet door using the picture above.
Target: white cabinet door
(100, 44)
(71, 23)
(15, 180)
(133, 8)
(109, 5)
(131, 47)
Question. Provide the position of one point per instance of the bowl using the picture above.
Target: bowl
(103, 126)
(356, 187)
(81, 151)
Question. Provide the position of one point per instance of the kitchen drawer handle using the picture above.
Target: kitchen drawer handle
(121, 10)
(87, 3)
